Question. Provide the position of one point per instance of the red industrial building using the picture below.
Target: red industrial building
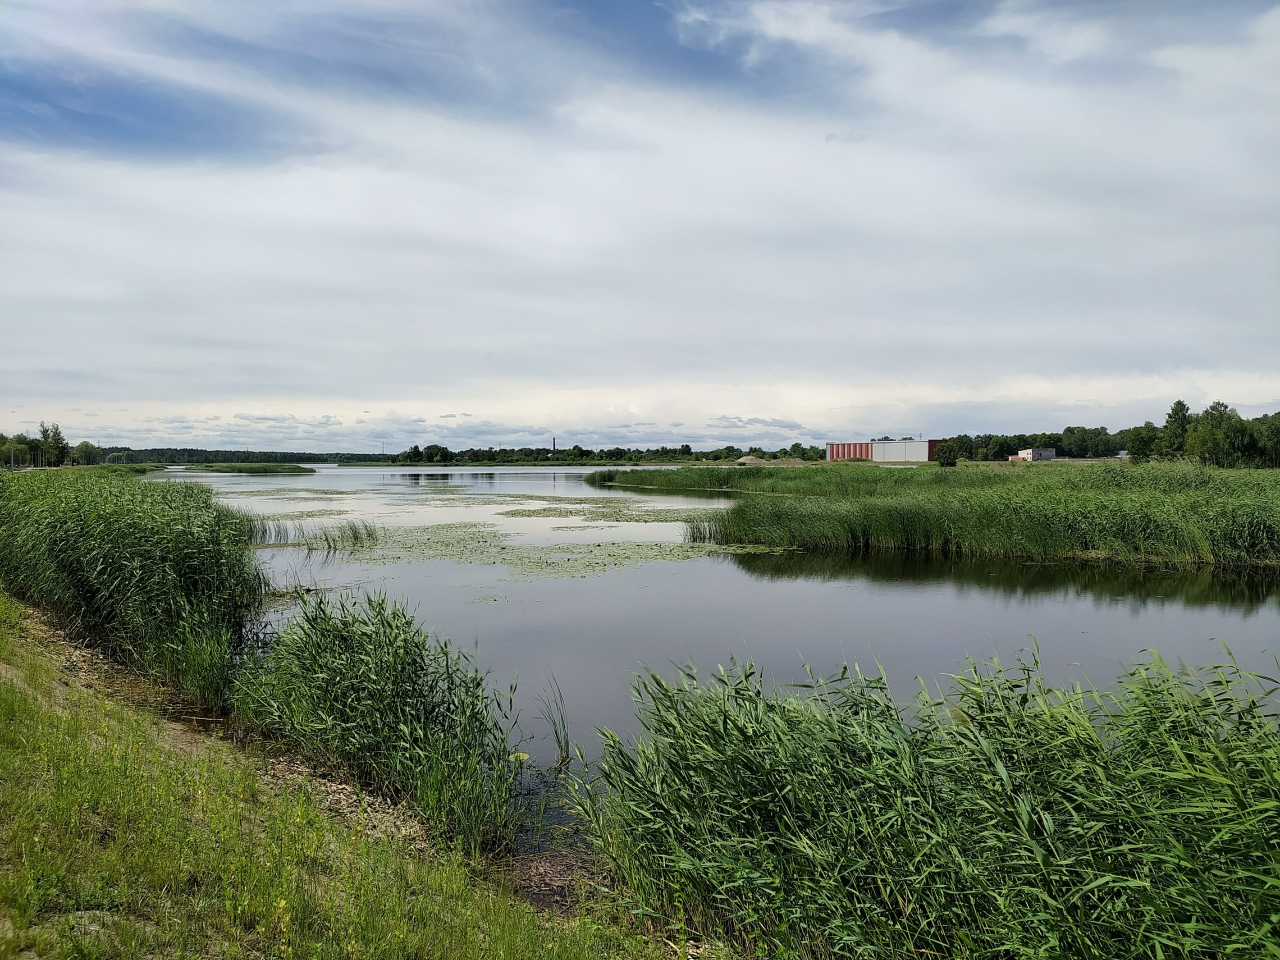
(886, 451)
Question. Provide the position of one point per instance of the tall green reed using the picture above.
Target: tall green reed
(1008, 819)
(1172, 514)
(358, 682)
(158, 573)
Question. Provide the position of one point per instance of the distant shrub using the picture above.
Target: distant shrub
(947, 454)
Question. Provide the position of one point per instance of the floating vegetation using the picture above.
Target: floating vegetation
(306, 514)
(613, 510)
(485, 543)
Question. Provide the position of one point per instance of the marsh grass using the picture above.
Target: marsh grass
(114, 844)
(1008, 819)
(249, 468)
(1174, 514)
(359, 683)
(159, 574)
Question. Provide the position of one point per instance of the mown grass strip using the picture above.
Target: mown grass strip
(1174, 514)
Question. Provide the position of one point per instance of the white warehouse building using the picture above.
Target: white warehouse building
(886, 451)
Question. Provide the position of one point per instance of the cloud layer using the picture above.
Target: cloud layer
(738, 222)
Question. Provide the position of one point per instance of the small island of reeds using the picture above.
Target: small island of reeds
(1167, 513)
(253, 468)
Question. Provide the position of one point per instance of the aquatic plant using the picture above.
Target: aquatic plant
(250, 468)
(359, 683)
(158, 574)
(1007, 819)
(1168, 513)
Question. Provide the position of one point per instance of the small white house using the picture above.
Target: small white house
(1037, 453)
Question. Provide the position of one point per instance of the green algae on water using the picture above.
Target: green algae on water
(485, 543)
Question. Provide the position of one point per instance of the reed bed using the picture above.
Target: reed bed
(1008, 819)
(165, 579)
(1174, 514)
(359, 683)
(157, 573)
(249, 468)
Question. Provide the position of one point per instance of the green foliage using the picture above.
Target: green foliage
(1166, 513)
(947, 454)
(114, 845)
(86, 454)
(362, 684)
(250, 468)
(158, 573)
(433, 453)
(1009, 819)
(53, 445)
(1175, 428)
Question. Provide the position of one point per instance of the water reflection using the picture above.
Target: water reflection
(1243, 592)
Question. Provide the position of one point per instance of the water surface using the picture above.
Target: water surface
(655, 602)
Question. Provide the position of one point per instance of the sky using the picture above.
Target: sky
(339, 225)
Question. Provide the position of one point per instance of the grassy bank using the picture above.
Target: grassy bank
(253, 468)
(1009, 820)
(1168, 513)
(115, 843)
(163, 578)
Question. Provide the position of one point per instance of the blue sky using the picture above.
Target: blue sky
(336, 225)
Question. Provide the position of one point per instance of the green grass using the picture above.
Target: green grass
(254, 468)
(114, 845)
(157, 573)
(1008, 820)
(363, 685)
(1165, 513)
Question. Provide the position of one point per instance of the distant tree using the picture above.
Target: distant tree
(1176, 422)
(947, 454)
(686, 450)
(964, 446)
(1088, 442)
(1141, 441)
(86, 454)
(1220, 437)
(54, 445)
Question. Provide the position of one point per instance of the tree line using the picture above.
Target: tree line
(48, 448)
(1218, 436)
(435, 453)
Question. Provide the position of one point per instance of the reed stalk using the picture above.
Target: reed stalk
(1007, 819)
